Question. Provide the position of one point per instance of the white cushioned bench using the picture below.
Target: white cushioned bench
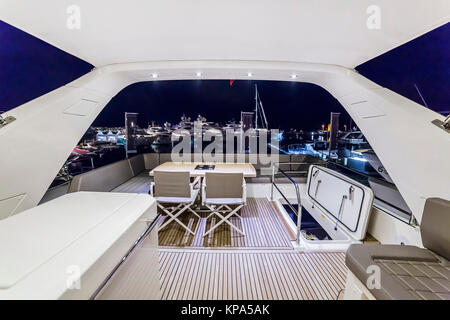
(85, 233)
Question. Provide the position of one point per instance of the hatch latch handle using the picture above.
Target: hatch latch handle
(341, 208)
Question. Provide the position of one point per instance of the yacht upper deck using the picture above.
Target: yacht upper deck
(263, 264)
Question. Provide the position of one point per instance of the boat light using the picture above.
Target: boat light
(249, 74)
(294, 76)
(198, 74)
(154, 75)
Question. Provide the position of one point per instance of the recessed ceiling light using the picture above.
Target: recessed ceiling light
(249, 74)
(198, 74)
(154, 75)
(294, 76)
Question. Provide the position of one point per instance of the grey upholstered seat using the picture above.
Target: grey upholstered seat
(175, 194)
(219, 192)
(408, 272)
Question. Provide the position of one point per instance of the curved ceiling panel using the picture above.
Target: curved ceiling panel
(320, 31)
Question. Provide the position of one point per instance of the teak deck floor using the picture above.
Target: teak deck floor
(283, 275)
(260, 222)
(229, 274)
(269, 268)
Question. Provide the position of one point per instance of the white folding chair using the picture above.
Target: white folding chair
(175, 193)
(219, 192)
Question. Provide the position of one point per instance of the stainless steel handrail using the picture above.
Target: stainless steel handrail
(296, 171)
(297, 211)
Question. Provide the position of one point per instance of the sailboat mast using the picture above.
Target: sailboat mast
(259, 108)
(266, 124)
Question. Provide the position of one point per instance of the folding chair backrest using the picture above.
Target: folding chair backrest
(224, 185)
(172, 184)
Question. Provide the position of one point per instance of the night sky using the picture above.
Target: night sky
(286, 104)
(30, 67)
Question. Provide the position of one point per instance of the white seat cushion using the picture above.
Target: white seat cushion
(224, 201)
(178, 200)
(38, 245)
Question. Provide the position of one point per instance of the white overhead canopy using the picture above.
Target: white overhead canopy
(315, 31)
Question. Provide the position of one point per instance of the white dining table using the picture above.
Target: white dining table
(246, 168)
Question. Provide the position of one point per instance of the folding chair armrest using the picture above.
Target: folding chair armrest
(152, 188)
(244, 192)
(203, 191)
(195, 182)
